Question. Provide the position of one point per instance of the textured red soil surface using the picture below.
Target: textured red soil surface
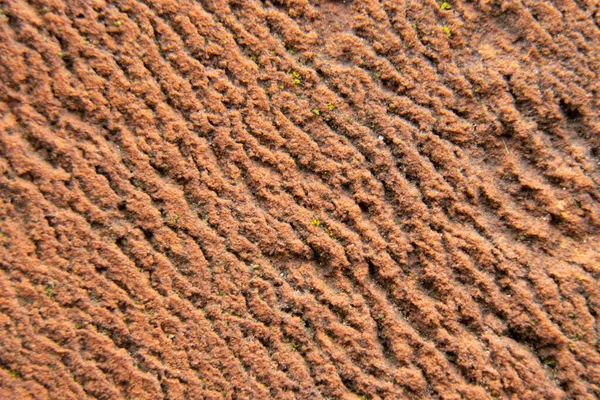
(301, 199)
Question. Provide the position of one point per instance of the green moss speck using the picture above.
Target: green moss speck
(297, 77)
(15, 374)
(50, 291)
(447, 30)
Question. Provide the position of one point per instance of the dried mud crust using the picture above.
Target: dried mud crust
(303, 199)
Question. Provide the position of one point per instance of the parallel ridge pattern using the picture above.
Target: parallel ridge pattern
(308, 199)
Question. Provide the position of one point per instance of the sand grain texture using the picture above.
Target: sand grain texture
(299, 199)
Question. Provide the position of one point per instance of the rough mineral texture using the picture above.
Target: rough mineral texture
(301, 199)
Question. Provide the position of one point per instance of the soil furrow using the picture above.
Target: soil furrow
(299, 199)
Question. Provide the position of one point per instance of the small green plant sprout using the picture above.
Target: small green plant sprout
(15, 374)
(44, 10)
(295, 346)
(253, 58)
(221, 293)
(117, 23)
(330, 106)
(292, 51)
(255, 266)
(444, 5)
(414, 25)
(60, 54)
(315, 222)
(49, 290)
(316, 111)
(447, 30)
(175, 219)
(297, 77)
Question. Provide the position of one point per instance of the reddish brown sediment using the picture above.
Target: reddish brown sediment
(299, 199)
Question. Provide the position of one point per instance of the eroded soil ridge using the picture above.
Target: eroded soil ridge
(299, 199)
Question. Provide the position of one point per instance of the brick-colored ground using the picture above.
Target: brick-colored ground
(308, 199)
